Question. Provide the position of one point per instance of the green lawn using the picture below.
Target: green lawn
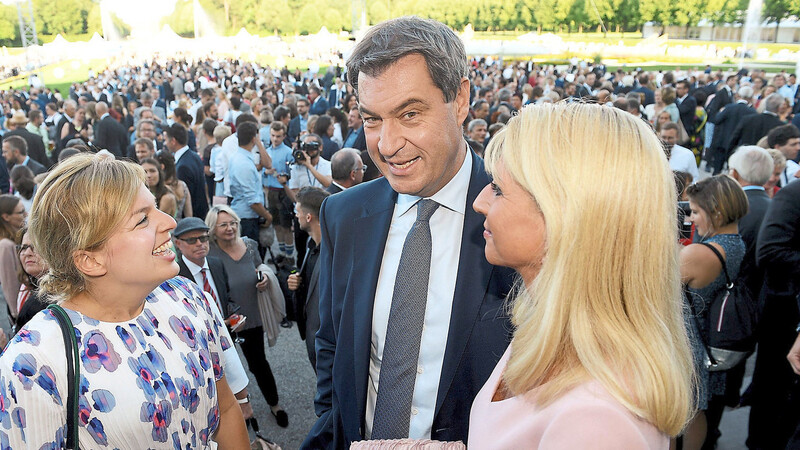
(61, 75)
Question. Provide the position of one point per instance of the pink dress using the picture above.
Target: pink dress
(585, 417)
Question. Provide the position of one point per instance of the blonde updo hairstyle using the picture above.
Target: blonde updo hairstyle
(79, 206)
(606, 304)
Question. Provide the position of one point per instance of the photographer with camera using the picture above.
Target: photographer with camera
(309, 168)
(280, 205)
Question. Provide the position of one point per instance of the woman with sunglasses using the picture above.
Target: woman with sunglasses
(12, 218)
(246, 276)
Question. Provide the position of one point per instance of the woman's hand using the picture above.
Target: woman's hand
(262, 285)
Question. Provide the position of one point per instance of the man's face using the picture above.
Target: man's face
(482, 112)
(779, 81)
(148, 103)
(38, 121)
(489, 97)
(478, 133)
(669, 137)
(358, 173)
(731, 83)
(196, 252)
(570, 89)
(681, 90)
(758, 84)
(213, 112)
(276, 137)
(69, 110)
(516, 102)
(147, 131)
(414, 137)
(9, 153)
(789, 150)
(312, 153)
(302, 107)
(301, 217)
(147, 115)
(142, 152)
(591, 78)
(354, 119)
(792, 80)
(312, 95)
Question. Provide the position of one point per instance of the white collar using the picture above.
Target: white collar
(180, 152)
(338, 185)
(194, 268)
(452, 196)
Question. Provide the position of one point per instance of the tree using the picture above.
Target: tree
(777, 10)
(309, 21)
(8, 25)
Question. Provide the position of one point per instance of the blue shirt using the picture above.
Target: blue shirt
(351, 138)
(281, 155)
(245, 184)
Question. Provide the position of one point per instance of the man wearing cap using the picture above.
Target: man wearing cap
(191, 238)
(35, 145)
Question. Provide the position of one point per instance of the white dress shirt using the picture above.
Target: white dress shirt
(180, 153)
(198, 276)
(447, 225)
(682, 159)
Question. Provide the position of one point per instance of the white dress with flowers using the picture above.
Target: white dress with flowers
(145, 383)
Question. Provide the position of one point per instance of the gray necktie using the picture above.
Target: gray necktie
(406, 317)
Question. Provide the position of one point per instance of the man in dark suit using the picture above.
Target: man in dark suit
(109, 133)
(15, 151)
(70, 108)
(774, 407)
(188, 168)
(191, 239)
(355, 137)
(687, 105)
(319, 105)
(34, 143)
(750, 131)
(722, 97)
(725, 123)
(299, 122)
(649, 95)
(347, 170)
(370, 287)
(305, 283)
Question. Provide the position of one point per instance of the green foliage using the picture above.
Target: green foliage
(9, 30)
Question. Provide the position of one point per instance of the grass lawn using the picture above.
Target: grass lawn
(61, 75)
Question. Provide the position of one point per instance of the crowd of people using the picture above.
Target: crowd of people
(258, 178)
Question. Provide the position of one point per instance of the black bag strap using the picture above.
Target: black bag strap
(73, 373)
(728, 283)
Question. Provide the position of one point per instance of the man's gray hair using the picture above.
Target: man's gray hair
(773, 102)
(504, 95)
(753, 163)
(393, 39)
(343, 162)
(746, 92)
(146, 95)
(474, 123)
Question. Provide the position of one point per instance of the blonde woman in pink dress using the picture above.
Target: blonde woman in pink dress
(600, 357)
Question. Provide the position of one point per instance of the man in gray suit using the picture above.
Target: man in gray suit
(305, 283)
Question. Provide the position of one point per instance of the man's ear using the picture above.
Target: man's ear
(462, 100)
(91, 264)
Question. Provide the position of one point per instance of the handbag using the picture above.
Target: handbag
(732, 320)
(73, 374)
(260, 442)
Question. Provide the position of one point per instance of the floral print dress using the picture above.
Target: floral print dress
(145, 383)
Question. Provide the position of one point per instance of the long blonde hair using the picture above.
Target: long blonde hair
(79, 206)
(606, 304)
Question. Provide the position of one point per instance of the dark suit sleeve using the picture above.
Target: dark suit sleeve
(777, 241)
(719, 117)
(5, 185)
(736, 137)
(321, 434)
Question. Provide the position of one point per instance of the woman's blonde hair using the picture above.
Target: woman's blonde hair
(213, 215)
(606, 304)
(79, 206)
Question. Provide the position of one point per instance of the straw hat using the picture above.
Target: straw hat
(18, 118)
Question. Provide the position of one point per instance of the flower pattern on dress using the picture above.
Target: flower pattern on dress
(99, 352)
(171, 350)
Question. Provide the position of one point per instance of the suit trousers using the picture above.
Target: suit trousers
(775, 386)
(253, 349)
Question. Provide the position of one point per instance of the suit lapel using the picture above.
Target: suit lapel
(471, 283)
(314, 283)
(368, 254)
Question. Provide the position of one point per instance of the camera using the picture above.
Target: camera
(307, 147)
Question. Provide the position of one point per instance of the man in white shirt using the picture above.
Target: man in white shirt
(376, 377)
(786, 139)
(680, 158)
